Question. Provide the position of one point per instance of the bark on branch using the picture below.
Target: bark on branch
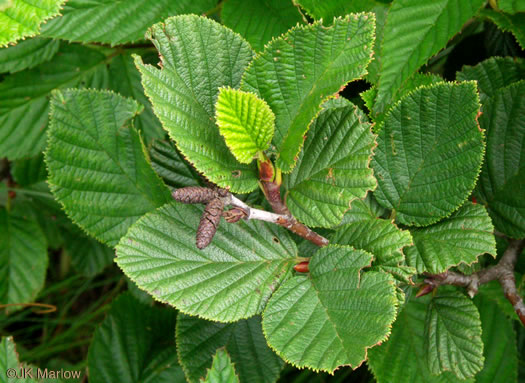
(282, 217)
(285, 220)
(503, 272)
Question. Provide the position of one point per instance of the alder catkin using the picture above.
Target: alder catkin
(211, 217)
(194, 194)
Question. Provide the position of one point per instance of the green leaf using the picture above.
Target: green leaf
(493, 74)
(125, 79)
(198, 339)
(198, 56)
(401, 359)
(328, 9)
(169, 164)
(429, 153)
(116, 22)
(135, 344)
(295, 82)
(341, 142)
(499, 344)
(332, 317)
(453, 335)
(222, 369)
(88, 256)
(380, 237)
(27, 54)
(414, 82)
(29, 171)
(493, 291)
(258, 21)
(381, 12)
(363, 209)
(109, 183)
(22, 18)
(246, 122)
(24, 97)
(460, 238)
(508, 23)
(229, 280)
(23, 255)
(415, 30)
(502, 180)
(511, 6)
(9, 361)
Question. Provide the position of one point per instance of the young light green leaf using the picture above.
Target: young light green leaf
(429, 153)
(493, 74)
(125, 79)
(294, 82)
(9, 362)
(108, 184)
(502, 180)
(508, 23)
(27, 54)
(258, 21)
(229, 280)
(341, 142)
(222, 369)
(246, 122)
(198, 57)
(453, 335)
(135, 344)
(22, 18)
(169, 164)
(415, 30)
(460, 238)
(197, 340)
(380, 237)
(116, 22)
(23, 255)
(499, 343)
(401, 359)
(330, 318)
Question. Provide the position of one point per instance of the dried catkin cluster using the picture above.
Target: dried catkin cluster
(194, 194)
(211, 217)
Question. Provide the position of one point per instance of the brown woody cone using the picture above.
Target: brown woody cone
(211, 217)
(194, 194)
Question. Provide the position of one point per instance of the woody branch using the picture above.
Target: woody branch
(503, 272)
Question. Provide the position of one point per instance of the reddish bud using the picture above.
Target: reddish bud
(302, 267)
(266, 171)
(424, 290)
(474, 200)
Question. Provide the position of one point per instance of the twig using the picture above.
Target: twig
(503, 272)
(284, 220)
